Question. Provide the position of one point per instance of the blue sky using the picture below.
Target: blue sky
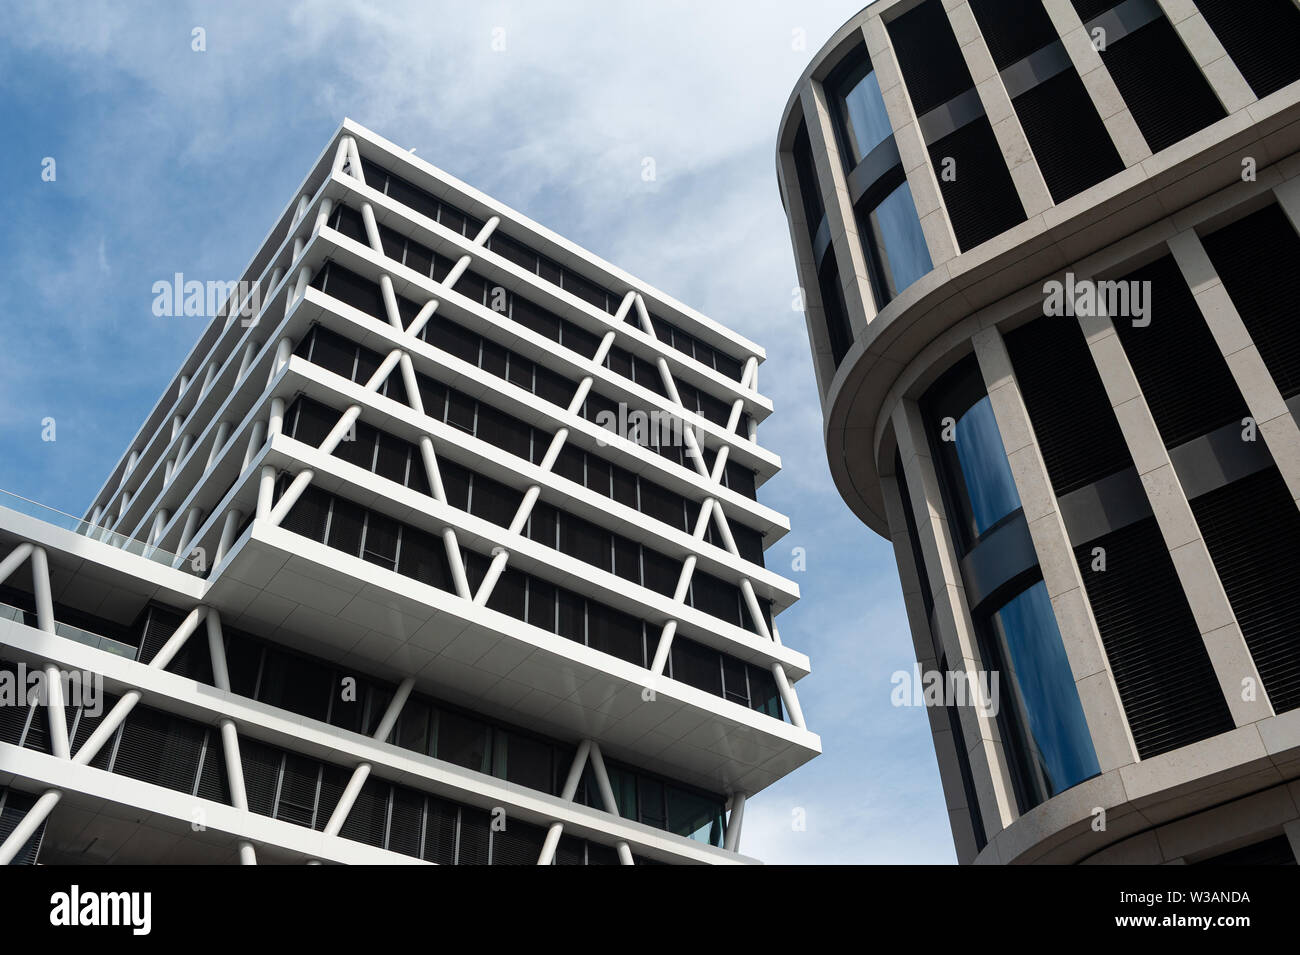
(170, 160)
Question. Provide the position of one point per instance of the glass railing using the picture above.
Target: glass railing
(75, 634)
(85, 528)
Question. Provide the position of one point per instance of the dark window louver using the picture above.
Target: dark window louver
(1070, 142)
(212, 773)
(1166, 683)
(299, 783)
(1256, 258)
(1251, 528)
(571, 851)
(1076, 429)
(981, 198)
(86, 725)
(368, 819)
(1177, 348)
(440, 832)
(1013, 28)
(14, 807)
(13, 719)
(1161, 84)
(519, 843)
(1087, 9)
(932, 62)
(161, 749)
(261, 765)
(406, 822)
(473, 846)
(193, 661)
(1261, 36)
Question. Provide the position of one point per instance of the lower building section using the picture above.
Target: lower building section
(135, 731)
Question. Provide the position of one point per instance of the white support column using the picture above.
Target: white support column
(102, 734)
(607, 796)
(246, 362)
(323, 215)
(788, 697)
(14, 559)
(208, 376)
(159, 522)
(360, 774)
(664, 647)
(290, 497)
(256, 438)
(275, 423)
(41, 585)
(187, 531)
(731, 841)
(552, 842)
(265, 491)
(229, 736)
(354, 160)
(283, 351)
(233, 517)
(218, 442)
(28, 825)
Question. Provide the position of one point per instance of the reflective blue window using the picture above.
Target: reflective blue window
(990, 488)
(899, 244)
(866, 125)
(1038, 705)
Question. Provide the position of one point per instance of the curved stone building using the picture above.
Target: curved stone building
(1050, 262)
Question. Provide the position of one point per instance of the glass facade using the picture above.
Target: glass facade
(979, 489)
(990, 489)
(1040, 715)
(862, 113)
(898, 250)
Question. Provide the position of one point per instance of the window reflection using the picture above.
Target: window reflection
(862, 110)
(898, 244)
(990, 488)
(1039, 713)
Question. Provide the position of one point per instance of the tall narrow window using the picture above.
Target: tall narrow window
(896, 244)
(1038, 706)
(964, 434)
(863, 119)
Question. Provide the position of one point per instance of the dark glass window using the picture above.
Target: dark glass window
(968, 446)
(863, 119)
(697, 666)
(809, 188)
(1039, 709)
(895, 243)
(463, 740)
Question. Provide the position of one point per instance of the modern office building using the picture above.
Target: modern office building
(442, 545)
(1050, 260)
